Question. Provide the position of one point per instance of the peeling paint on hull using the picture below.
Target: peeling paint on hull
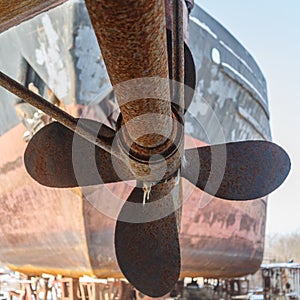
(56, 231)
(47, 230)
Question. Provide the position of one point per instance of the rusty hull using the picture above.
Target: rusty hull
(46, 230)
(56, 231)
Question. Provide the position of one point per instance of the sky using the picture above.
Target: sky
(270, 31)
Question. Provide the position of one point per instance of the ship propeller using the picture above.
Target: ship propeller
(236, 171)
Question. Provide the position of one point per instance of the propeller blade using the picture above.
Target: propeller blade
(58, 157)
(189, 71)
(237, 171)
(147, 249)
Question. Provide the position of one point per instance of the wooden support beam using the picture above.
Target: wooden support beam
(14, 12)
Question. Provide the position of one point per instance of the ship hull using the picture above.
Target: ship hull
(71, 231)
(68, 232)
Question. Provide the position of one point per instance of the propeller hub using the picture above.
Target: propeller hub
(153, 164)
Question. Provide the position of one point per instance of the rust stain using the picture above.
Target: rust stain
(11, 165)
(247, 223)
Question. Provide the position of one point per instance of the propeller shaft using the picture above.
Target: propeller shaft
(132, 38)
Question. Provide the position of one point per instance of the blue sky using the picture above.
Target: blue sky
(269, 30)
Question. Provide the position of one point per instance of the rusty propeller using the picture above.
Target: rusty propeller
(248, 169)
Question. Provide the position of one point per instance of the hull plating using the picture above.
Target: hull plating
(58, 231)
